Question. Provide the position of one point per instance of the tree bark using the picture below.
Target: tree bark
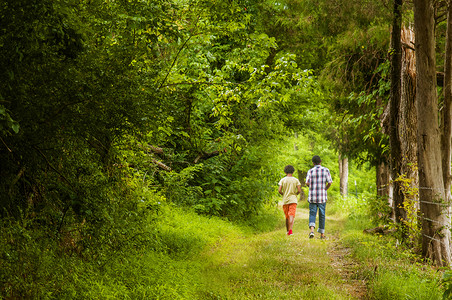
(343, 175)
(435, 219)
(394, 138)
(408, 135)
(447, 109)
(162, 165)
(384, 185)
(408, 116)
(302, 177)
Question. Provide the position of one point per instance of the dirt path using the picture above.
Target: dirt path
(347, 267)
(341, 259)
(276, 266)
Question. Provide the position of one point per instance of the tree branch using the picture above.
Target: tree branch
(162, 165)
(204, 82)
(5, 145)
(53, 168)
(174, 61)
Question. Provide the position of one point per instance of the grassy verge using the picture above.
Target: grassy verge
(390, 270)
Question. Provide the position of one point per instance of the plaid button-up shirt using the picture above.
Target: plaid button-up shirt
(317, 179)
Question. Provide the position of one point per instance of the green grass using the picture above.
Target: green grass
(273, 266)
(198, 257)
(390, 269)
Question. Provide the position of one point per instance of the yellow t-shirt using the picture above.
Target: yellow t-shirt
(289, 189)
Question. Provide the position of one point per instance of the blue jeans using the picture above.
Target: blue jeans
(312, 214)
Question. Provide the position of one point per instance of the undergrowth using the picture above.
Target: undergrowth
(391, 270)
(163, 265)
(169, 259)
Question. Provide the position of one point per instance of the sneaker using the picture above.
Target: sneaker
(311, 235)
(323, 238)
(290, 232)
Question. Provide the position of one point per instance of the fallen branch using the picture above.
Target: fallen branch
(162, 165)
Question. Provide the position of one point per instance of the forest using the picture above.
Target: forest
(142, 142)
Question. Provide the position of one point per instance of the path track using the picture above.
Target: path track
(276, 266)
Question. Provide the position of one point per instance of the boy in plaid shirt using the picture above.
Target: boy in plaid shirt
(319, 181)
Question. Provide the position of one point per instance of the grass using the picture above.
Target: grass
(274, 266)
(198, 257)
(391, 271)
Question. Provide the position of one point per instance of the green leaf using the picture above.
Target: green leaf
(15, 127)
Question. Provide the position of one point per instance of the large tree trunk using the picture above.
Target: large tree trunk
(447, 109)
(435, 218)
(343, 175)
(394, 138)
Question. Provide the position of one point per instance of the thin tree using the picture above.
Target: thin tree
(395, 96)
(434, 210)
(408, 136)
(343, 175)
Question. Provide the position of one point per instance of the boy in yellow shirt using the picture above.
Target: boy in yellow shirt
(289, 188)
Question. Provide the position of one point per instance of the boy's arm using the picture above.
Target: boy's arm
(280, 190)
(299, 189)
(327, 186)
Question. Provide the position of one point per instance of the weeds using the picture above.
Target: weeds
(391, 270)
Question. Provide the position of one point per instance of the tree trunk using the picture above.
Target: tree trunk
(394, 138)
(408, 135)
(384, 185)
(343, 175)
(447, 109)
(302, 177)
(435, 219)
(408, 116)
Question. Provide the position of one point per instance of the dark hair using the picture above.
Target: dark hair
(289, 169)
(316, 160)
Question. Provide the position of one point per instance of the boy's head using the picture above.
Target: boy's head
(316, 160)
(289, 169)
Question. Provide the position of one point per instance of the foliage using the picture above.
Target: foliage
(130, 130)
(357, 129)
(410, 205)
(390, 270)
(446, 282)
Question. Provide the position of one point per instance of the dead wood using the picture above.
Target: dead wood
(162, 165)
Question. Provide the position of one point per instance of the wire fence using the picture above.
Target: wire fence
(440, 203)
